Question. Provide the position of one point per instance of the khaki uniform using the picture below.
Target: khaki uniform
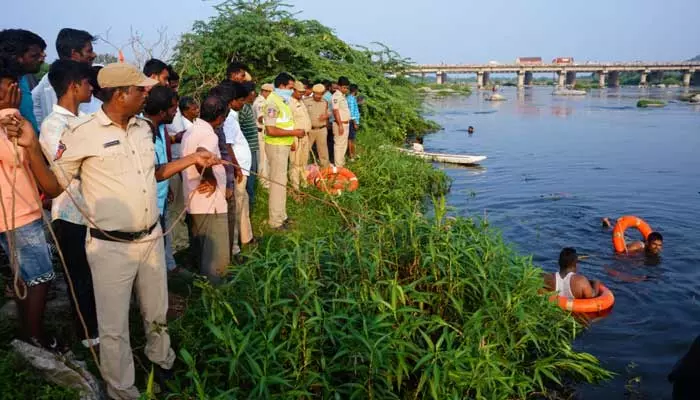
(300, 156)
(117, 173)
(319, 130)
(263, 163)
(340, 146)
(277, 148)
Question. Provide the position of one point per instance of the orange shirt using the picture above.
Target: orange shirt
(27, 207)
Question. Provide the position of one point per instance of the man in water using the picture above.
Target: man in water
(470, 130)
(652, 246)
(567, 283)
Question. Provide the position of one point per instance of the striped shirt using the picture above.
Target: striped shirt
(354, 109)
(246, 120)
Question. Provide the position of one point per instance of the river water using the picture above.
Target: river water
(555, 166)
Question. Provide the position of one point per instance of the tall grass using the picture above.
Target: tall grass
(380, 303)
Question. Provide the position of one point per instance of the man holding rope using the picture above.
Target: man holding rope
(112, 152)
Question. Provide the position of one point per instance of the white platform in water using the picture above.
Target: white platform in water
(569, 92)
(447, 158)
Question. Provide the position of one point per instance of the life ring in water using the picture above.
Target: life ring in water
(628, 221)
(334, 180)
(604, 301)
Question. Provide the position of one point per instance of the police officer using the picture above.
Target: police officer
(299, 155)
(318, 113)
(279, 136)
(341, 128)
(112, 153)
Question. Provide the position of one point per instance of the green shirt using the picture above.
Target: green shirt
(246, 119)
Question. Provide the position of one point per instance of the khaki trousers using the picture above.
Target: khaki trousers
(320, 138)
(340, 145)
(297, 162)
(243, 229)
(263, 163)
(117, 268)
(278, 156)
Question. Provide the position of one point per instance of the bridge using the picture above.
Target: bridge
(608, 73)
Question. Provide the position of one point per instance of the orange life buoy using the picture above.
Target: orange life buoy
(628, 221)
(334, 180)
(604, 301)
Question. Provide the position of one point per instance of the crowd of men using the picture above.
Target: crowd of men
(112, 148)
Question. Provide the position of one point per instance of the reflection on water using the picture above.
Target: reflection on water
(558, 164)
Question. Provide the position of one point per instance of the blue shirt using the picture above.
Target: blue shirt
(329, 97)
(26, 105)
(354, 109)
(161, 155)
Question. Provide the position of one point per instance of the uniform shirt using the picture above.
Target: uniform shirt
(301, 115)
(246, 119)
(328, 97)
(203, 135)
(316, 110)
(27, 208)
(179, 124)
(26, 107)
(44, 98)
(116, 169)
(340, 103)
(234, 135)
(272, 114)
(258, 107)
(354, 109)
(62, 207)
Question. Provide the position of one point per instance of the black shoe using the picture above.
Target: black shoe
(163, 377)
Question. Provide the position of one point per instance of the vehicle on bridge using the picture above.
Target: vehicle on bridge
(528, 60)
(563, 60)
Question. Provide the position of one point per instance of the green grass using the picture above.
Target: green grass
(371, 299)
(644, 103)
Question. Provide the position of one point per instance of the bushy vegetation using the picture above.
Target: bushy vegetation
(644, 103)
(366, 297)
(264, 35)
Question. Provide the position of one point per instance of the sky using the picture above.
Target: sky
(434, 31)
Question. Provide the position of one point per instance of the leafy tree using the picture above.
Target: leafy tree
(266, 36)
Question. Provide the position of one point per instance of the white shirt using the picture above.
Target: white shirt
(44, 98)
(62, 207)
(201, 134)
(418, 148)
(179, 124)
(234, 137)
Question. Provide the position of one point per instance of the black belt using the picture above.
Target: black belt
(118, 236)
(318, 127)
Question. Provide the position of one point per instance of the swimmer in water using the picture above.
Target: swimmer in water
(567, 282)
(470, 130)
(652, 246)
(418, 145)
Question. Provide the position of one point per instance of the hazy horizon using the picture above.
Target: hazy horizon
(447, 31)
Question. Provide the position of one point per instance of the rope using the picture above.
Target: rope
(13, 250)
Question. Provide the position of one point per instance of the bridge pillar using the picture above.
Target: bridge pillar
(571, 78)
(441, 77)
(479, 79)
(561, 78)
(528, 78)
(602, 76)
(695, 80)
(686, 77)
(614, 80)
(487, 75)
(521, 79)
(656, 76)
(643, 78)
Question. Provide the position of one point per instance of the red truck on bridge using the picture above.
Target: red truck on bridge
(528, 60)
(563, 60)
